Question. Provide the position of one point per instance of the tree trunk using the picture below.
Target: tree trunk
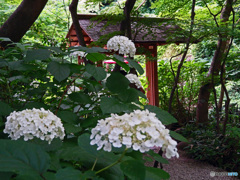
(125, 26)
(76, 24)
(22, 19)
(126, 23)
(78, 29)
(220, 53)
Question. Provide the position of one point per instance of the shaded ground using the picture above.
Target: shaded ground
(185, 168)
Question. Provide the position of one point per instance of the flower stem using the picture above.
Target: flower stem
(94, 164)
(113, 164)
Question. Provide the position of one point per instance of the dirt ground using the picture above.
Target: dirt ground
(185, 168)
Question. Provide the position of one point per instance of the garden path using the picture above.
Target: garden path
(185, 168)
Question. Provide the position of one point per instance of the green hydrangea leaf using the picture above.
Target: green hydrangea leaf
(23, 158)
(162, 115)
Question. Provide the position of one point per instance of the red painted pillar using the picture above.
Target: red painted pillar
(152, 77)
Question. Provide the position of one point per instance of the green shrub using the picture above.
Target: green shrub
(206, 145)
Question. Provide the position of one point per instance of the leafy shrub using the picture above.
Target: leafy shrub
(45, 77)
(185, 98)
(207, 145)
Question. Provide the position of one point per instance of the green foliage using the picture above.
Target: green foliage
(191, 77)
(205, 144)
(155, 173)
(27, 159)
(133, 169)
(162, 115)
(59, 71)
(7, 8)
(33, 77)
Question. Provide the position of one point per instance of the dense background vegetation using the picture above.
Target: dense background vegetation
(50, 30)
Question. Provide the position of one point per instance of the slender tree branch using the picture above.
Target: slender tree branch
(140, 5)
(183, 57)
(222, 76)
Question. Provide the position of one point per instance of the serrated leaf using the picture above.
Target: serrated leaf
(87, 154)
(67, 116)
(103, 158)
(3, 63)
(89, 50)
(22, 158)
(97, 72)
(162, 115)
(6, 175)
(148, 159)
(112, 105)
(84, 142)
(156, 173)
(133, 169)
(56, 143)
(75, 68)
(59, 71)
(68, 173)
(157, 157)
(36, 105)
(178, 136)
(129, 95)
(94, 57)
(5, 109)
(120, 61)
(135, 65)
(27, 176)
(117, 82)
(37, 54)
(20, 66)
(71, 128)
(91, 175)
(80, 97)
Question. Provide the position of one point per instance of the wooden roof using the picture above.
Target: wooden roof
(144, 30)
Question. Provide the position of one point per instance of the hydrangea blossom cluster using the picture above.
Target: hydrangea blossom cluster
(78, 53)
(134, 79)
(140, 130)
(122, 44)
(31, 123)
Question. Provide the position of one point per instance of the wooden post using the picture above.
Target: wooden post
(152, 76)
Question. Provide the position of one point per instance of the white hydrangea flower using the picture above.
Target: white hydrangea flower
(139, 130)
(73, 89)
(134, 79)
(78, 53)
(31, 123)
(122, 44)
